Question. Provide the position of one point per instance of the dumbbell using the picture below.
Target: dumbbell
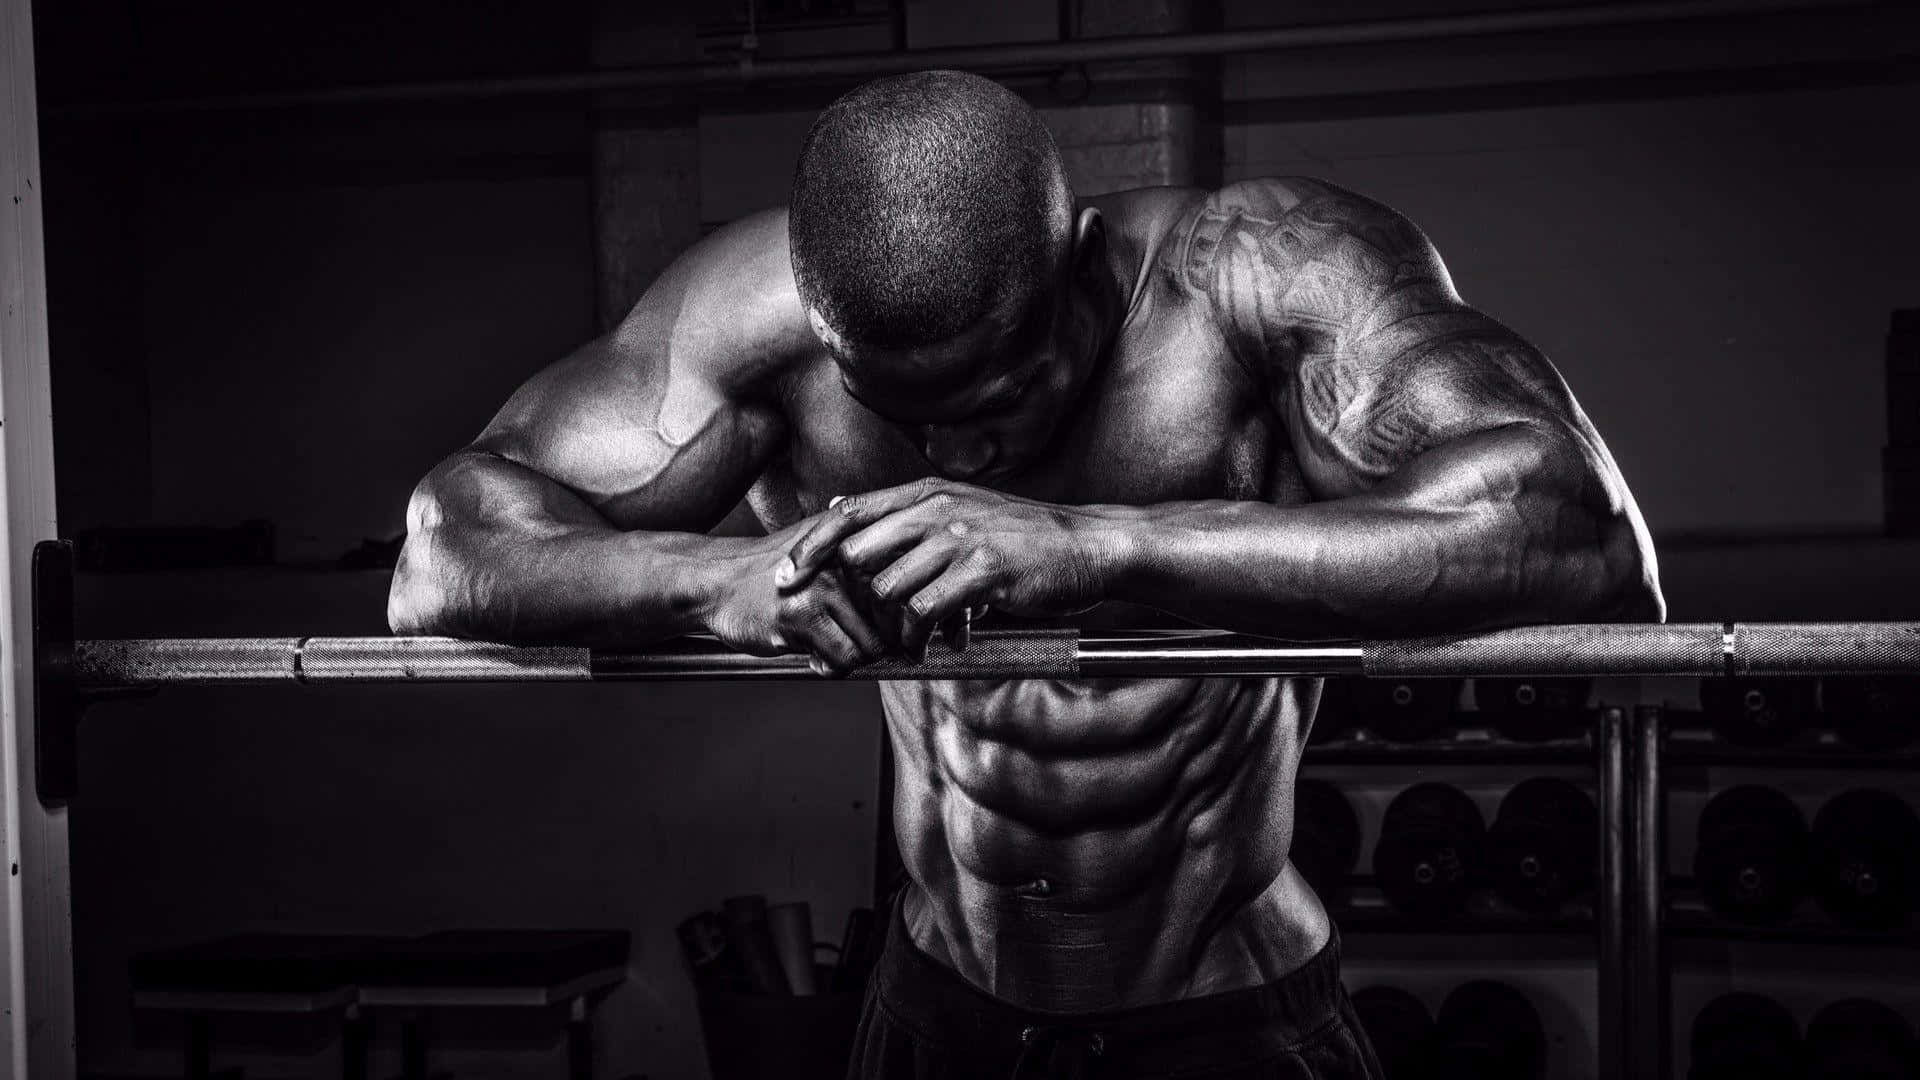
(1756, 712)
(1533, 710)
(1752, 855)
(1405, 710)
(1488, 1030)
(1873, 714)
(1542, 845)
(1866, 857)
(1745, 1036)
(1326, 836)
(1400, 1029)
(1858, 1039)
(1432, 843)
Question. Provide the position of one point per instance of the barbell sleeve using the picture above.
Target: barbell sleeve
(1684, 649)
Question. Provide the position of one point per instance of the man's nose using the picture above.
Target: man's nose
(956, 453)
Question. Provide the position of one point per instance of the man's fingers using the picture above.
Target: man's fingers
(903, 580)
(889, 617)
(858, 629)
(949, 594)
(806, 556)
(912, 572)
(873, 547)
(834, 652)
(844, 517)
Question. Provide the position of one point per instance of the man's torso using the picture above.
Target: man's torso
(1099, 843)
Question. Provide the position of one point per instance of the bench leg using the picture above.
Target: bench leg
(413, 1047)
(199, 1046)
(356, 1030)
(579, 1041)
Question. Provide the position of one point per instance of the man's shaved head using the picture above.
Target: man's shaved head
(922, 203)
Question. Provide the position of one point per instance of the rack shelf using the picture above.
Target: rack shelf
(1821, 750)
(1666, 908)
(1600, 918)
(1455, 751)
(1366, 912)
(1689, 917)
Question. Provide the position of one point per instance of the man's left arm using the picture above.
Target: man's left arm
(1456, 483)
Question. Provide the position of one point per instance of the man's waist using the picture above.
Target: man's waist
(945, 1008)
(1037, 947)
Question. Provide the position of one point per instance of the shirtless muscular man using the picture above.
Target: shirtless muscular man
(945, 384)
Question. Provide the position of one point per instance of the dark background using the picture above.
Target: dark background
(290, 312)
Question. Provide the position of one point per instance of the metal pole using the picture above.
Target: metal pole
(1647, 993)
(748, 70)
(1702, 649)
(1611, 897)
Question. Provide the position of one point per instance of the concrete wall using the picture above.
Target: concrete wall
(1712, 275)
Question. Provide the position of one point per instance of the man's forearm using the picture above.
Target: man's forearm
(1478, 535)
(496, 551)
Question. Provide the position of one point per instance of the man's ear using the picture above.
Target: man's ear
(824, 332)
(1089, 240)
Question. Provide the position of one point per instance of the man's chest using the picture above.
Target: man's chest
(1168, 417)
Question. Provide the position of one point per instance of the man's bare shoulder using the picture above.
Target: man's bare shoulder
(727, 309)
(1140, 223)
(1279, 254)
(1151, 216)
(1183, 233)
(1140, 215)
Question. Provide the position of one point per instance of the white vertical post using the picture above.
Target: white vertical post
(36, 956)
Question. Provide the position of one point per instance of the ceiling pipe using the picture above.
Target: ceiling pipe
(748, 71)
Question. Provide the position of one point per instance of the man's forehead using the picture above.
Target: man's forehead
(936, 382)
(917, 398)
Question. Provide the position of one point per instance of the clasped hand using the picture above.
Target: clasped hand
(926, 554)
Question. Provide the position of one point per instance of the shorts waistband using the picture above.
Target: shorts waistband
(942, 1006)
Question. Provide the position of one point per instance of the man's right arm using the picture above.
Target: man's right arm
(580, 512)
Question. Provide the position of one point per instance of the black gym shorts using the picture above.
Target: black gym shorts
(922, 1021)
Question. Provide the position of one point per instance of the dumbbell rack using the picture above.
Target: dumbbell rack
(1642, 1036)
(1612, 754)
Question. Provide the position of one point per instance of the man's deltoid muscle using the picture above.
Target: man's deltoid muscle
(945, 385)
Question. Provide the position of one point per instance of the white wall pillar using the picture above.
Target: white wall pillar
(36, 955)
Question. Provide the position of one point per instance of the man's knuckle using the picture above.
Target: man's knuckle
(806, 610)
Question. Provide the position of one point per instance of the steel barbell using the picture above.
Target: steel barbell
(70, 672)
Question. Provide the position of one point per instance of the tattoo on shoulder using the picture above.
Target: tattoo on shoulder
(1345, 308)
(1365, 420)
(1280, 258)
